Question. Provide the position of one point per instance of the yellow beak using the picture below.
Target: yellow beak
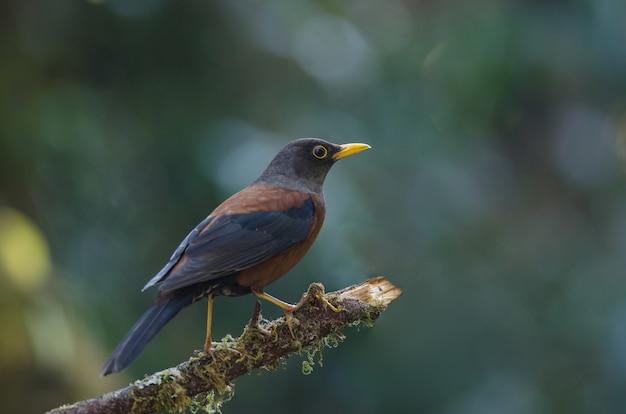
(349, 149)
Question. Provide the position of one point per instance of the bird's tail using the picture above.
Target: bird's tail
(144, 330)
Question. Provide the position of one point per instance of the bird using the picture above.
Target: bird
(249, 241)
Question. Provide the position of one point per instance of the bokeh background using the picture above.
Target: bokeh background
(493, 195)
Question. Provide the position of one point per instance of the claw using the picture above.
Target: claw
(289, 320)
(330, 305)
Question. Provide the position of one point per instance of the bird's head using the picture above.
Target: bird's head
(303, 164)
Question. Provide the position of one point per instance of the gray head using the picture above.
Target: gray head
(303, 164)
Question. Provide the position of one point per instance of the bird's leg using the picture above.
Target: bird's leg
(330, 305)
(322, 298)
(208, 345)
(288, 308)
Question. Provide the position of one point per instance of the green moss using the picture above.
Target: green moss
(211, 402)
(171, 396)
(307, 367)
(314, 352)
(332, 341)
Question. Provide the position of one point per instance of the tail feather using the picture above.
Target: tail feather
(143, 331)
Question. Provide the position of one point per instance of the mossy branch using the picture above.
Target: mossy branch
(320, 318)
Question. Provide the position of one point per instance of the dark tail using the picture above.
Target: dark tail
(143, 331)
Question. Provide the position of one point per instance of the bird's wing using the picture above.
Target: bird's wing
(234, 242)
(178, 253)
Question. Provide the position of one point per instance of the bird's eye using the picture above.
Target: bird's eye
(320, 152)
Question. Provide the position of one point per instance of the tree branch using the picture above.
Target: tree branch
(318, 320)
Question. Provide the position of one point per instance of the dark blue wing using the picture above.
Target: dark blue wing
(236, 242)
(177, 253)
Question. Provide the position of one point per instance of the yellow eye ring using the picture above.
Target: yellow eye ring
(320, 152)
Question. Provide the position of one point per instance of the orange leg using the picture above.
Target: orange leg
(208, 345)
(287, 307)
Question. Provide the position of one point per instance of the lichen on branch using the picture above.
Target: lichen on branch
(263, 344)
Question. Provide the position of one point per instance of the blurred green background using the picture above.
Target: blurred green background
(493, 195)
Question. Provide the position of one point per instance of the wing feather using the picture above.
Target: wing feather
(234, 242)
(159, 277)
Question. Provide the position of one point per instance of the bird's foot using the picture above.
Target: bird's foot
(327, 303)
(208, 346)
(319, 295)
(289, 319)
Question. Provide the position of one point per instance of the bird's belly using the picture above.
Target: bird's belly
(261, 275)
